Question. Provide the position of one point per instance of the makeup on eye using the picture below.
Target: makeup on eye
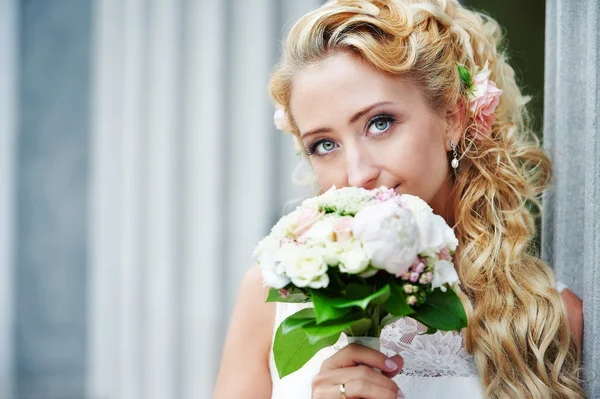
(382, 124)
(313, 149)
(377, 126)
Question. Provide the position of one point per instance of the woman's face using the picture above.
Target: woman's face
(366, 129)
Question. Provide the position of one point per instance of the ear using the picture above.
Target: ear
(455, 123)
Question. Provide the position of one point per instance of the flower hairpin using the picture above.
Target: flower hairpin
(280, 118)
(483, 96)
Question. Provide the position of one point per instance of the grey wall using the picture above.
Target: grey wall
(52, 179)
(571, 233)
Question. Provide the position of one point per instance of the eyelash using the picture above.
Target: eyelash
(311, 150)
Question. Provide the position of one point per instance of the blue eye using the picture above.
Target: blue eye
(321, 147)
(380, 125)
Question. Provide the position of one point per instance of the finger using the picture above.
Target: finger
(399, 360)
(357, 373)
(354, 355)
(357, 389)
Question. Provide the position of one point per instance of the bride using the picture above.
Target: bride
(417, 95)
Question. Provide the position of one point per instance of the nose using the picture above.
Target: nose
(362, 168)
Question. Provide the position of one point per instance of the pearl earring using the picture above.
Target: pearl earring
(454, 162)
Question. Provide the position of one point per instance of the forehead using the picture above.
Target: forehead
(341, 85)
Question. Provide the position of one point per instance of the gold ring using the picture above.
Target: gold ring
(343, 391)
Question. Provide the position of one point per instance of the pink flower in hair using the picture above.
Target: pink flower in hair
(484, 97)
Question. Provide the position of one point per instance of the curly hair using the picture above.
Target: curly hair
(518, 330)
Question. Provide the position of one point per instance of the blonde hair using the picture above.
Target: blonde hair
(518, 330)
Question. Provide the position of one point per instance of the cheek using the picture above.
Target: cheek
(419, 161)
(329, 173)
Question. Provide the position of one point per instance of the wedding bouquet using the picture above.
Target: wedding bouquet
(364, 258)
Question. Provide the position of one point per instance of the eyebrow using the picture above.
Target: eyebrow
(353, 119)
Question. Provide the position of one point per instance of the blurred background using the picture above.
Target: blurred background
(139, 166)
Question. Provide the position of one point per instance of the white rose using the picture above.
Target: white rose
(353, 259)
(321, 232)
(321, 282)
(284, 225)
(306, 266)
(331, 253)
(389, 235)
(444, 273)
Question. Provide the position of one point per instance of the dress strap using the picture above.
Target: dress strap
(560, 286)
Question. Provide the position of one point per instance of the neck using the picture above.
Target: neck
(443, 202)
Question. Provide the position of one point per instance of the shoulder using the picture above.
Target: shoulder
(248, 342)
(251, 309)
(574, 307)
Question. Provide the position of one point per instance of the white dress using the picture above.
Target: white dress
(435, 366)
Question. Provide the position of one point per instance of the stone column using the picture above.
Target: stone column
(571, 223)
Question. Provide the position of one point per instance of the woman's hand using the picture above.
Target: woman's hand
(353, 367)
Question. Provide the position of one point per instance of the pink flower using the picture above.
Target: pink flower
(484, 99)
(419, 267)
(306, 218)
(385, 194)
(444, 254)
(408, 289)
(426, 278)
(279, 118)
(411, 300)
(414, 277)
(343, 228)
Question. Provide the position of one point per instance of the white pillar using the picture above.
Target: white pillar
(188, 173)
(571, 224)
(8, 98)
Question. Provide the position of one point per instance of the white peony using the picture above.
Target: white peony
(353, 259)
(305, 266)
(389, 235)
(267, 254)
(434, 232)
(444, 273)
(414, 203)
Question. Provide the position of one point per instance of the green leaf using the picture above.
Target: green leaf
(334, 307)
(298, 320)
(442, 311)
(396, 304)
(430, 331)
(360, 328)
(379, 297)
(291, 351)
(316, 332)
(325, 308)
(358, 291)
(295, 296)
(465, 75)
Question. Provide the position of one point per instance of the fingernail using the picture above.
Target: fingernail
(400, 395)
(391, 365)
